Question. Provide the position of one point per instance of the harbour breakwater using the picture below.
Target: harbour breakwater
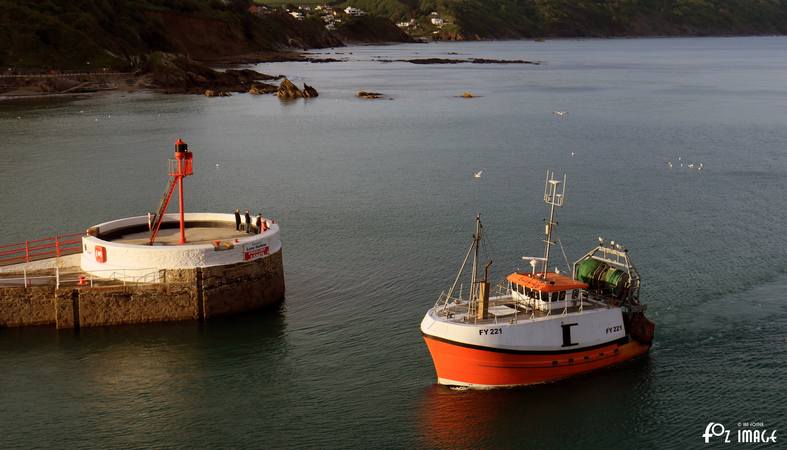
(198, 293)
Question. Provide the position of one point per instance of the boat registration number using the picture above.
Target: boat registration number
(614, 329)
(487, 331)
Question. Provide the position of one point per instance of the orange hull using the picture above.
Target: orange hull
(462, 365)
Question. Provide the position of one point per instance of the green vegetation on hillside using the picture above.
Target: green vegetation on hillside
(93, 34)
(570, 18)
(90, 34)
(370, 29)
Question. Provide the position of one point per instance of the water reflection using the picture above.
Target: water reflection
(133, 385)
(547, 414)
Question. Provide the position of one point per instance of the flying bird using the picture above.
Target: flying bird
(559, 113)
(478, 174)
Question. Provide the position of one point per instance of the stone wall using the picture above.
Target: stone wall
(156, 303)
(242, 286)
(25, 307)
(185, 294)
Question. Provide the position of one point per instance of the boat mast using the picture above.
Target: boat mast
(474, 275)
(553, 198)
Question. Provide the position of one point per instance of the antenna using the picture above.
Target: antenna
(533, 261)
(554, 196)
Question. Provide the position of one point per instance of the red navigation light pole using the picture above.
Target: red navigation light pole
(179, 168)
(184, 169)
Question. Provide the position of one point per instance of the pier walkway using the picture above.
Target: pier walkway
(39, 249)
(51, 261)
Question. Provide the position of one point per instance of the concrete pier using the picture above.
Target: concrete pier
(225, 272)
(183, 294)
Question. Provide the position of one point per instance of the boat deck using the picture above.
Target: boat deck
(506, 309)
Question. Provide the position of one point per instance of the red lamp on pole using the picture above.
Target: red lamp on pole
(181, 167)
(185, 168)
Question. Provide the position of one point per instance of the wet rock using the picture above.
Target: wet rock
(287, 90)
(309, 91)
(179, 74)
(468, 94)
(214, 93)
(467, 61)
(369, 95)
(262, 88)
(324, 60)
(501, 61)
(433, 61)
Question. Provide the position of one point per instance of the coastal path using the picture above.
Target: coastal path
(64, 75)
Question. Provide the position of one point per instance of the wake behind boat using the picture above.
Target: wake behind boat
(540, 326)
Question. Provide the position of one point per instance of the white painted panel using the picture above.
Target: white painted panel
(593, 327)
(138, 259)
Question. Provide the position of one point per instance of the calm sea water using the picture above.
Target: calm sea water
(376, 201)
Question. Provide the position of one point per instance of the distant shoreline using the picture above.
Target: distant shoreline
(30, 83)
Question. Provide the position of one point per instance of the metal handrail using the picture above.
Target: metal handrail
(58, 245)
(152, 276)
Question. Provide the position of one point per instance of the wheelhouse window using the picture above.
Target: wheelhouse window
(516, 288)
(562, 296)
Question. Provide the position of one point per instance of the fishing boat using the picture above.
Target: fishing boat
(539, 325)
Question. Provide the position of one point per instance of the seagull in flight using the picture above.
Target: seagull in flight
(478, 174)
(559, 113)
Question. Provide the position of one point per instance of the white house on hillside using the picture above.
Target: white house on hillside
(354, 11)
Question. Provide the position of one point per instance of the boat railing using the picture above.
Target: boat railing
(524, 308)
